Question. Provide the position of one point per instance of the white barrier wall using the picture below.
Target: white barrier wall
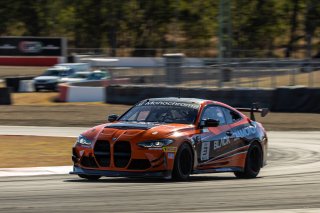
(136, 61)
(86, 94)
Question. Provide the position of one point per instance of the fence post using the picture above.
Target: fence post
(174, 64)
(273, 77)
(293, 77)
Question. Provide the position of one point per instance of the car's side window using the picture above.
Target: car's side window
(231, 116)
(214, 112)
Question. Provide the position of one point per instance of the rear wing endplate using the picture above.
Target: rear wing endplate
(253, 109)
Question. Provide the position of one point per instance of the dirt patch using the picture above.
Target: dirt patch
(32, 151)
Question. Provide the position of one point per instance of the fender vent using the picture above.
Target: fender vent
(139, 164)
(88, 162)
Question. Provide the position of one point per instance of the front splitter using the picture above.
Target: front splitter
(107, 173)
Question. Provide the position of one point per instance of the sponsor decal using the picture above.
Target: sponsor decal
(221, 143)
(30, 46)
(170, 155)
(205, 151)
(7, 46)
(241, 133)
(154, 133)
(169, 103)
(169, 149)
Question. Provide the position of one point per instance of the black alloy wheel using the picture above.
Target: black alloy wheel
(253, 162)
(183, 163)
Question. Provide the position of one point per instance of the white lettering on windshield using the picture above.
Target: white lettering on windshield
(170, 103)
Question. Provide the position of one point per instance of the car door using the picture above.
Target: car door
(213, 141)
(239, 137)
(242, 131)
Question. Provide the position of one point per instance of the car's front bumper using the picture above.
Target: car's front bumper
(81, 171)
(47, 86)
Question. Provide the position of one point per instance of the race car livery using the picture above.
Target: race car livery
(173, 138)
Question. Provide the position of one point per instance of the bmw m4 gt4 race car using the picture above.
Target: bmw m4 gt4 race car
(173, 138)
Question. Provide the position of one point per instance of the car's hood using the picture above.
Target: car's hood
(71, 79)
(46, 78)
(136, 131)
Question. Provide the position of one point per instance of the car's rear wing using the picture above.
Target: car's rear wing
(253, 109)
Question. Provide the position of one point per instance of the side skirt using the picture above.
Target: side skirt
(217, 170)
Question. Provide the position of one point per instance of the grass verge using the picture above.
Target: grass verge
(33, 151)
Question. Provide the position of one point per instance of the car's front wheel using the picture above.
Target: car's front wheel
(183, 163)
(90, 177)
(253, 162)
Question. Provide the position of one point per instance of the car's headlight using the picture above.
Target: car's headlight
(83, 140)
(52, 81)
(156, 143)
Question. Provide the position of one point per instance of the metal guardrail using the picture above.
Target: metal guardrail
(231, 74)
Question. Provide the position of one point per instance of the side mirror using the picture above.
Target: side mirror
(264, 112)
(112, 117)
(209, 123)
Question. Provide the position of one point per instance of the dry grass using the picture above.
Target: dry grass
(44, 99)
(311, 79)
(58, 115)
(31, 151)
(6, 71)
(306, 79)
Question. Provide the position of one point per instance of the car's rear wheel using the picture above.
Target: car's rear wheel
(90, 177)
(253, 162)
(183, 163)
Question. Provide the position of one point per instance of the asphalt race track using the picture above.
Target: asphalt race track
(290, 183)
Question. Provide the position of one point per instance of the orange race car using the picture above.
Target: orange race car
(173, 138)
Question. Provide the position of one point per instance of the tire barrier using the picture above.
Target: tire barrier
(5, 96)
(14, 82)
(296, 100)
(234, 97)
(277, 100)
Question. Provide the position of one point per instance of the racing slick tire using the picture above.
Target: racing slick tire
(90, 177)
(183, 163)
(253, 163)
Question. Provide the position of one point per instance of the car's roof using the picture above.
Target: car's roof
(58, 68)
(177, 99)
(83, 72)
(70, 64)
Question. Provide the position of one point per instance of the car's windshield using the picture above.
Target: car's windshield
(79, 75)
(162, 114)
(97, 75)
(53, 72)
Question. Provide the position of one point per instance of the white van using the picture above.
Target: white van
(77, 67)
(50, 78)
